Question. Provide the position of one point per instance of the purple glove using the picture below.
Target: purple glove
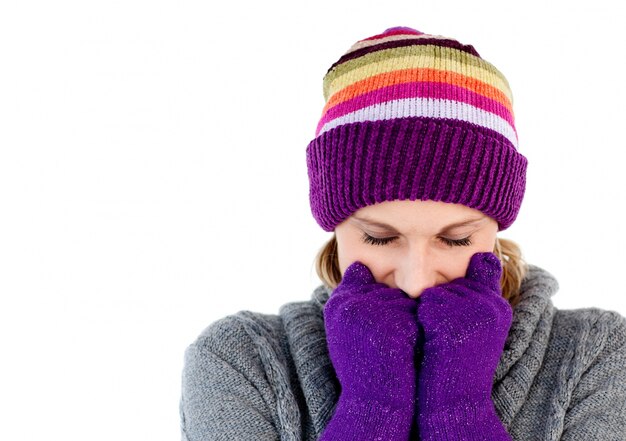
(371, 332)
(465, 324)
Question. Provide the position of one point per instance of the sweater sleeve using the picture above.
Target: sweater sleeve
(222, 397)
(597, 410)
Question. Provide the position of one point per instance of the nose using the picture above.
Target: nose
(415, 274)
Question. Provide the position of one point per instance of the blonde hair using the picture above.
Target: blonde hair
(514, 267)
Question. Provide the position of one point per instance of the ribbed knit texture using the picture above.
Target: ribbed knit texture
(253, 376)
(465, 324)
(372, 339)
(413, 116)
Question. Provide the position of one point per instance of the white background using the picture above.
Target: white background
(153, 179)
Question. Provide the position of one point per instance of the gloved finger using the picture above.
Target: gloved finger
(357, 274)
(485, 268)
(375, 303)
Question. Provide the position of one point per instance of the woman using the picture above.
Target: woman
(427, 326)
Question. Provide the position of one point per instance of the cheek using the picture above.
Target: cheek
(457, 265)
(350, 253)
(451, 263)
(351, 248)
(343, 253)
(446, 265)
(485, 243)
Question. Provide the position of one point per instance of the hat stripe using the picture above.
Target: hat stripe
(395, 37)
(387, 79)
(453, 44)
(422, 90)
(426, 107)
(411, 57)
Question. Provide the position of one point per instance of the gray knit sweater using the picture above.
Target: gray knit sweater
(252, 376)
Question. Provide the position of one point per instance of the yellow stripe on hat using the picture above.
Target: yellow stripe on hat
(429, 56)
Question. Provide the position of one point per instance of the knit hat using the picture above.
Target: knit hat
(410, 115)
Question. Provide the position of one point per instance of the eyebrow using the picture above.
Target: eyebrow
(445, 229)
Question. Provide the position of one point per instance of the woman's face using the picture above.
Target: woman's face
(423, 244)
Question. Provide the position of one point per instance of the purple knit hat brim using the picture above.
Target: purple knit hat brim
(360, 164)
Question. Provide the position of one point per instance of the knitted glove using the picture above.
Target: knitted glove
(465, 325)
(371, 332)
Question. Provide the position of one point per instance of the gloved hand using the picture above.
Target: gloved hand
(371, 332)
(465, 324)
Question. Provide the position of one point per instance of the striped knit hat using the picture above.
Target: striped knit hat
(410, 115)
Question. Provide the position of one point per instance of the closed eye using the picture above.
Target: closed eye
(466, 241)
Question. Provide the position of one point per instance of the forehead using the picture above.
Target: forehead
(419, 217)
(417, 211)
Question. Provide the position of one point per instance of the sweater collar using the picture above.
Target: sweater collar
(519, 363)
(526, 343)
